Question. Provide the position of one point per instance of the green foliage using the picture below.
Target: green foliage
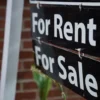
(44, 83)
(63, 94)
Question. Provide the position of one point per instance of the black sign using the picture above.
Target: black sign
(80, 75)
(69, 0)
(68, 27)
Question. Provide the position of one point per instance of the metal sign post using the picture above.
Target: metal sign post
(12, 39)
(68, 2)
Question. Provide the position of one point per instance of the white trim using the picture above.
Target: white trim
(67, 3)
(12, 38)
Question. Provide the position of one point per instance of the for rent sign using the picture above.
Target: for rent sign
(70, 28)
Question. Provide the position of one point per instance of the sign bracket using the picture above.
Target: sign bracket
(91, 4)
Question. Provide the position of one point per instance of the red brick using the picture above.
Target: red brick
(54, 85)
(26, 35)
(71, 92)
(26, 55)
(27, 4)
(29, 86)
(25, 96)
(18, 87)
(2, 12)
(0, 55)
(1, 34)
(27, 13)
(76, 98)
(2, 23)
(25, 75)
(20, 66)
(54, 93)
(27, 23)
(3, 3)
(27, 44)
(1, 45)
(27, 65)
(59, 99)
(0, 65)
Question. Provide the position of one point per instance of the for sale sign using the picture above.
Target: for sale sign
(82, 76)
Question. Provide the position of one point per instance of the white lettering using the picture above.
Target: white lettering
(91, 82)
(81, 75)
(72, 76)
(38, 57)
(58, 18)
(64, 75)
(68, 29)
(91, 28)
(51, 64)
(41, 26)
(47, 27)
(34, 22)
(45, 62)
(83, 32)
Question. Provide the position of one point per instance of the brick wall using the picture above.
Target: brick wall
(26, 88)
